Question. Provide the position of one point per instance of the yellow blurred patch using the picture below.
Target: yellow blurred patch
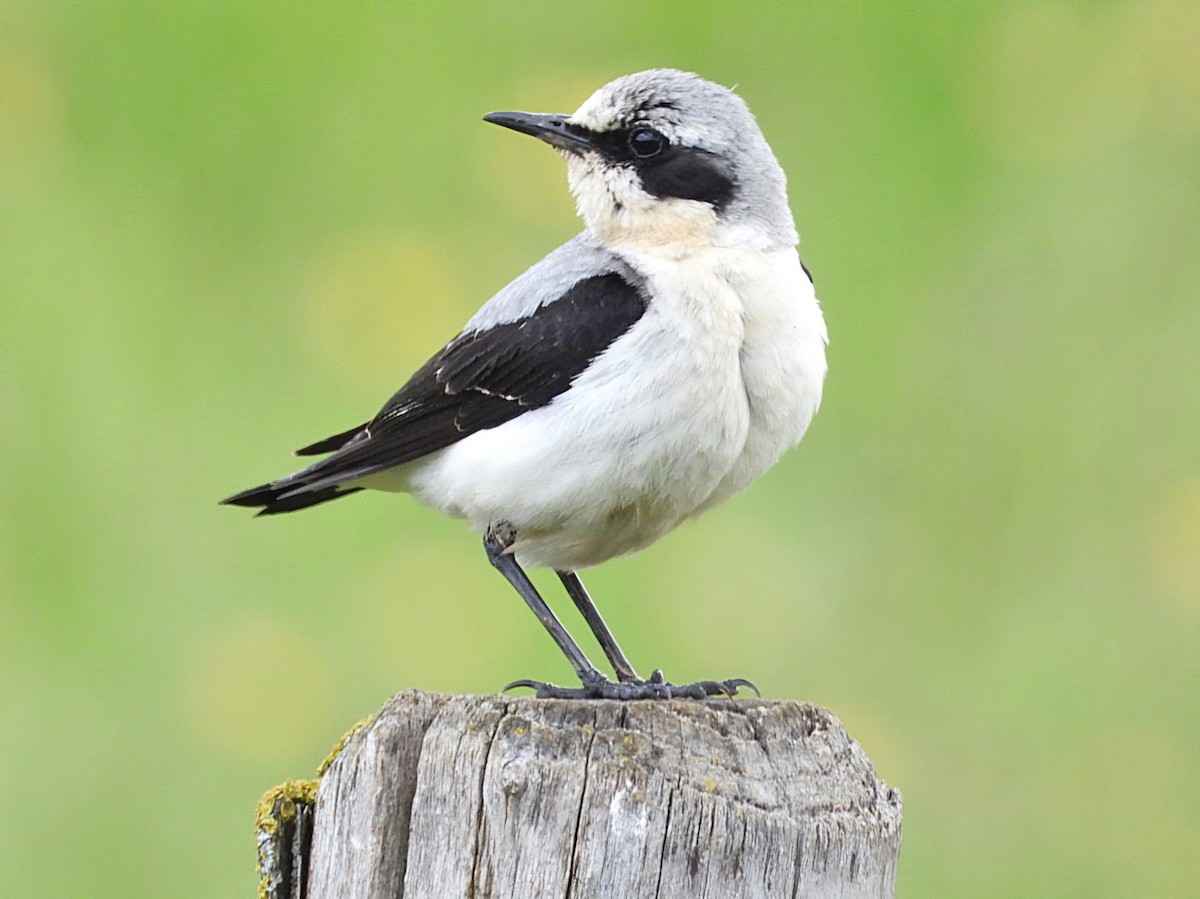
(1054, 83)
(419, 625)
(878, 739)
(527, 177)
(31, 121)
(1165, 36)
(1173, 545)
(380, 305)
(561, 91)
(258, 690)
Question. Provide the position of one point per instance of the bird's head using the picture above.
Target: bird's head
(666, 159)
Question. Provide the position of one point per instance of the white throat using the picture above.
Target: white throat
(612, 204)
(616, 209)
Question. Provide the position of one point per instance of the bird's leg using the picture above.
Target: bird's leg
(496, 541)
(587, 608)
(632, 686)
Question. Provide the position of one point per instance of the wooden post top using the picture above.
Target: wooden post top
(498, 796)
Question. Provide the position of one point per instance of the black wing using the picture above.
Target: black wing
(481, 379)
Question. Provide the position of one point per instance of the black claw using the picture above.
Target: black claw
(524, 682)
(544, 690)
(735, 682)
(722, 688)
(655, 688)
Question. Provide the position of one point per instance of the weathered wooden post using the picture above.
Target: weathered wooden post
(497, 796)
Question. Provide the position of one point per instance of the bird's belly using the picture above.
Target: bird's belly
(609, 466)
(782, 364)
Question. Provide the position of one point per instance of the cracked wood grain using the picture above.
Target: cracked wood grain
(487, 796)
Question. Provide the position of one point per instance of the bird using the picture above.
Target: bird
(653, 366)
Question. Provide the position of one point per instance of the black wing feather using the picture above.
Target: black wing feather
(480, 380)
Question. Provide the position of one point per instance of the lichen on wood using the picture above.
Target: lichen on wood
(283, 835)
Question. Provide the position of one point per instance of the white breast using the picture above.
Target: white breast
(782, 362)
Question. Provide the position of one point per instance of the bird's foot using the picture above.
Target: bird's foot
(656, 687)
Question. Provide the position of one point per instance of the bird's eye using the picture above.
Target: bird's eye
(646, 142)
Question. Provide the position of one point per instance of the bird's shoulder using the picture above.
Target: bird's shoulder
(529, 341)
(551, 278)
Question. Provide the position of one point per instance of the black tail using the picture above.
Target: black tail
(296, 491)
(286, 496)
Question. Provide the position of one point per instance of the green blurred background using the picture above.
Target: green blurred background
(230, 228)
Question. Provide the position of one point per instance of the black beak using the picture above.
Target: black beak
(553, 129)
